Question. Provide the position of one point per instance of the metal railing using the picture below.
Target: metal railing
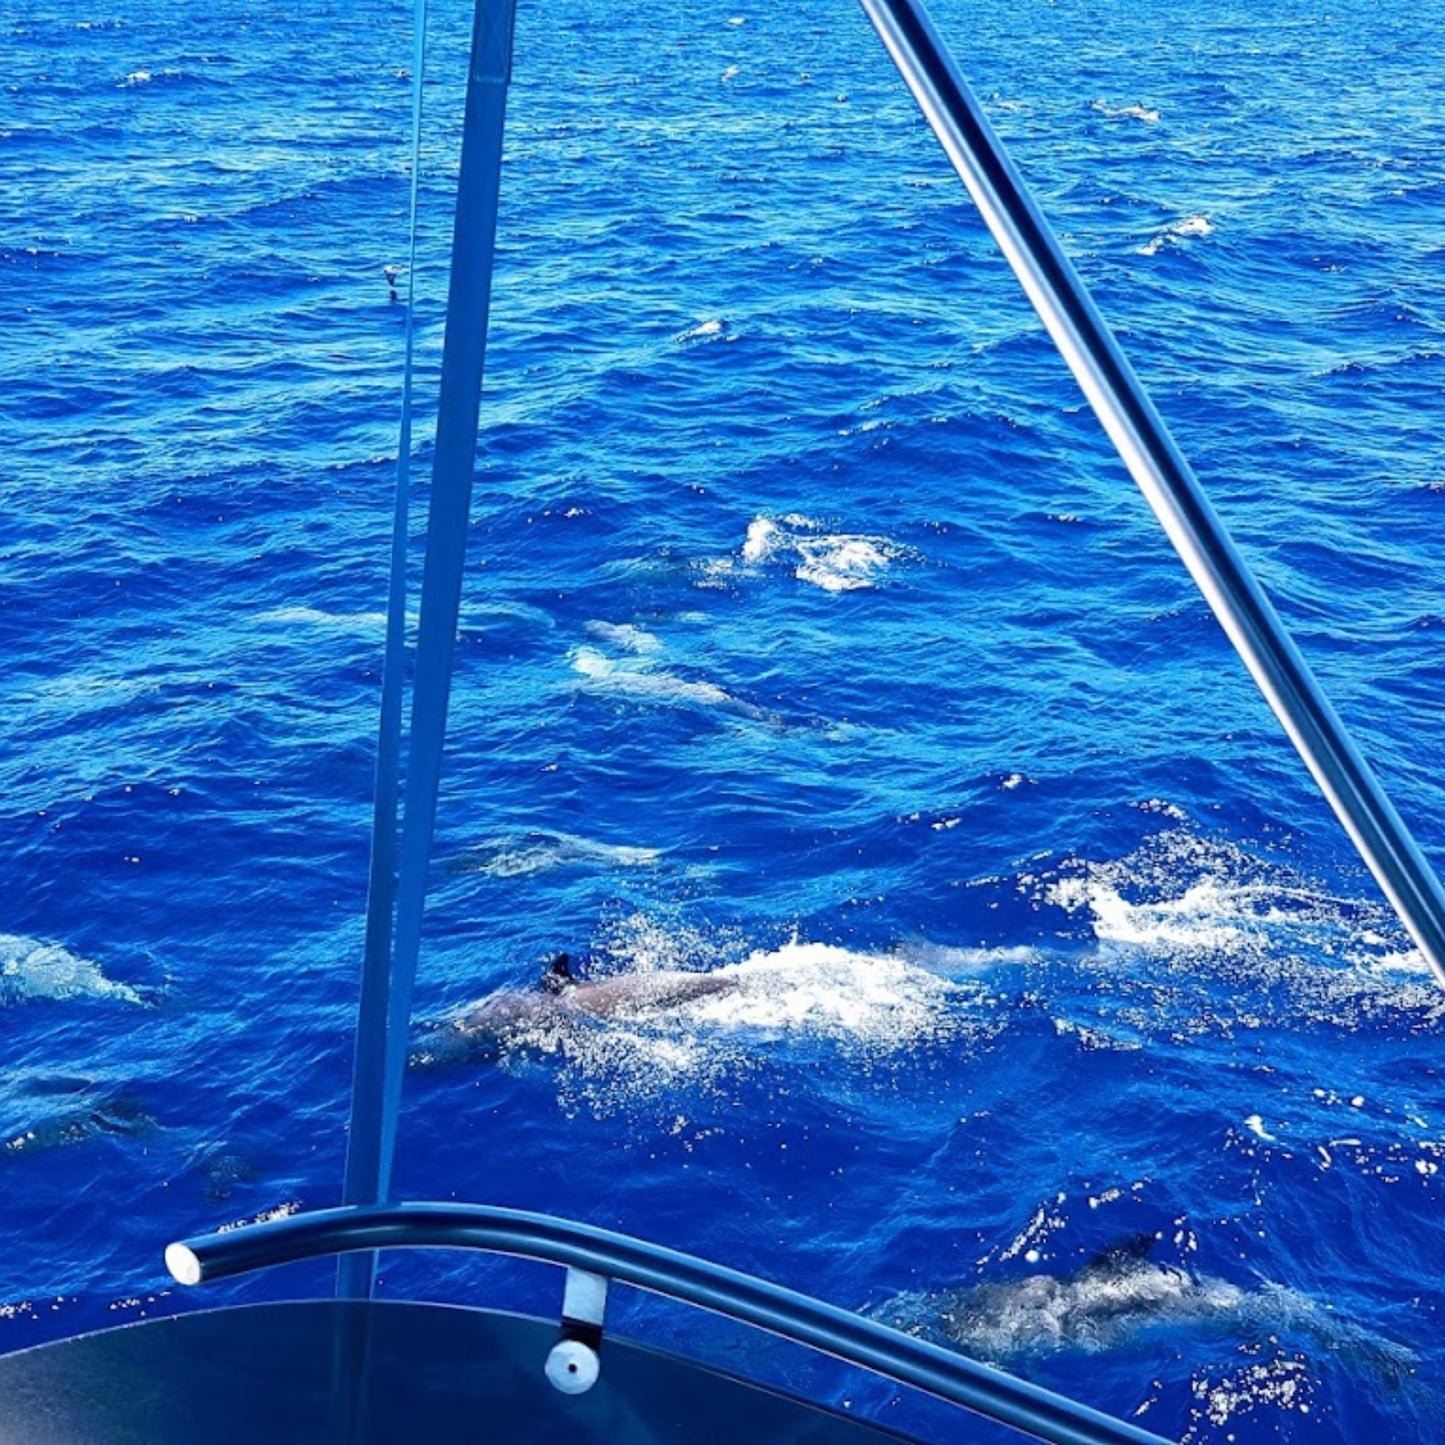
(783, 1312)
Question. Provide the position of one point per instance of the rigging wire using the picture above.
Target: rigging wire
(395, 923)
(355, 1272)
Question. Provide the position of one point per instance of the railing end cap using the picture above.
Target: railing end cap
(183, 1263)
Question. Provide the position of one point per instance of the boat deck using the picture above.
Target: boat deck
(320, 1371)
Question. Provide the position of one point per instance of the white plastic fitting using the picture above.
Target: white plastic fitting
(573, 1367)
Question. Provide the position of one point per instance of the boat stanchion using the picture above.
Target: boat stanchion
(573, 1364)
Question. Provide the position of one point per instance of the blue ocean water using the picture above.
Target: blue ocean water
(812, 633)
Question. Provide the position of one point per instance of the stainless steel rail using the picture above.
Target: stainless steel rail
(784, 1312)
(393, 945)
(1161, 472)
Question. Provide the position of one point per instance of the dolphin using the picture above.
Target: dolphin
(1114, 1296)
(1120, 1294)
(642, 684)
(540, 852)
(513, 1015)
(94, 1114)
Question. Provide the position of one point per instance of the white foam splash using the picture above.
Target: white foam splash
(878, 1000)
(1283, 1385)
(1203, 917)
(1177, 233)
(145, 77)
(713, 329)
(30, 969)
(1206, 912)
(760, 541)
(834, 561)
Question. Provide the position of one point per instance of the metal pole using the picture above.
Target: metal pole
(358, 1181)
(1158, 467)
(381, 1051)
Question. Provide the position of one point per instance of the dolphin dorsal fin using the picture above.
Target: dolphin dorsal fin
(559, 974)
(1131, 1249)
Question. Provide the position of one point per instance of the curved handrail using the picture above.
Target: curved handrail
(781, 1311)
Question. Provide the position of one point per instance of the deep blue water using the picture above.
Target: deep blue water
(812, 632)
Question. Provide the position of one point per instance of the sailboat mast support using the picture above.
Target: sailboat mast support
(387, 992)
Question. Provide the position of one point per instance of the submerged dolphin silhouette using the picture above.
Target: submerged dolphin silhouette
(512, 1014)
(93, 1115)
(1121, 1293)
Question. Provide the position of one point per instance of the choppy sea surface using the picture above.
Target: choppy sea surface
(812, 633)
